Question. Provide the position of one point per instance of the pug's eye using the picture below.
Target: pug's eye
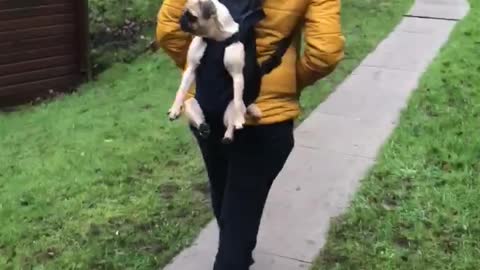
(191, 18)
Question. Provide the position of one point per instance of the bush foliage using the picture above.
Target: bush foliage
(120, 30)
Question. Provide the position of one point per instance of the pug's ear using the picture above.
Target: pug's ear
(207, 8)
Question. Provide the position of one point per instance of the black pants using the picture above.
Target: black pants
(241, 175)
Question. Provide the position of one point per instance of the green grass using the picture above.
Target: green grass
(101, 180)
(418, 207)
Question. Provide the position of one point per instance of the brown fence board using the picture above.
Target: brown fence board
(27, 23)
(15, 14)
(14, 46)
(21, 94)
(64, 29)
(16, 4)
(39, 64)
(37, 75)
(57, 84)
(27, 55)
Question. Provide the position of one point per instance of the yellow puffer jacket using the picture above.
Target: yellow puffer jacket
(323, 49)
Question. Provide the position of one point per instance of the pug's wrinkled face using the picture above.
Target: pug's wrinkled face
(200, 18)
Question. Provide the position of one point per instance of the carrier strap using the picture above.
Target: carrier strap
(276, 58)
(250, 19)
(247, 22)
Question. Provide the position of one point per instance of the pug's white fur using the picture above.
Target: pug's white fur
(220, 26)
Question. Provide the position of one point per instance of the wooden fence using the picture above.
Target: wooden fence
(43, 48)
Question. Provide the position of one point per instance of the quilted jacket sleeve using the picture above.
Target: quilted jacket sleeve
(324, 42)
(169, 36)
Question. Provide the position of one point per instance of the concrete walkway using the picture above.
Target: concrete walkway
(338, 143)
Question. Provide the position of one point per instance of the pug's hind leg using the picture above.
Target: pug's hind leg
(234, 60)
(228, 136)
(229, 122)
(195, 115)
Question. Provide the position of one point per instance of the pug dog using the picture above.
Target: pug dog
(211, 19)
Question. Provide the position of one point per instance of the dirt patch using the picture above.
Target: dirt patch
(202, 187)
(168, 190)
(46, 255)
(329, 258)
(401, 241)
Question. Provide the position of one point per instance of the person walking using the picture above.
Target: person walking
(242, 173)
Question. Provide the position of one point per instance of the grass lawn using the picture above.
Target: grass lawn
(418, 207)
(101, 180)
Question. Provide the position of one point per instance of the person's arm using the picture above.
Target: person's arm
(324, 42)
(169, 36)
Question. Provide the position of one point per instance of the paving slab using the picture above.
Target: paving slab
(441, 9)
(337, 144)
(338, 135)
(425, 26)
(371, 94)
(201, 254)
(315, 186)
(409, 51)
(269, 261)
